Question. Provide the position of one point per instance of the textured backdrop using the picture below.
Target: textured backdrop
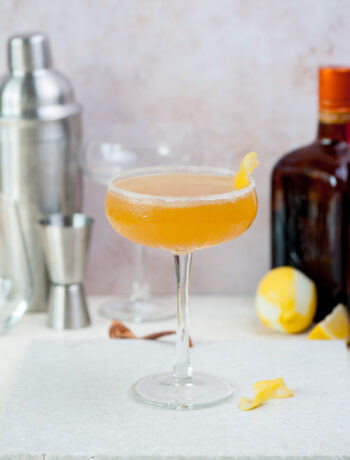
(242, 71)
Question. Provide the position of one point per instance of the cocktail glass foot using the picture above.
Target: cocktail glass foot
(200, 391)
(138, 311)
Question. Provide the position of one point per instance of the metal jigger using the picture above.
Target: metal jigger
(66, 241)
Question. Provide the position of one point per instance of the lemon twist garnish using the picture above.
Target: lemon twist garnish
(264, 390)
(247, 166)
(336, 325)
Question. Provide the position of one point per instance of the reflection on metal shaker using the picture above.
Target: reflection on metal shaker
(40, 134)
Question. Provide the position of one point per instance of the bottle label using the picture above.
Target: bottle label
(334, 117)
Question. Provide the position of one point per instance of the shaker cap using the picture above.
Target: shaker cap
(28, 52)
(33, 90)
(334, 89)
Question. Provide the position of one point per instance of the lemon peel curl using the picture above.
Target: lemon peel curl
(265, 390)
(247, 166)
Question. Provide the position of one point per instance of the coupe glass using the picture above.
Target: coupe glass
(180, 209)
(16, 276)
(129, 147)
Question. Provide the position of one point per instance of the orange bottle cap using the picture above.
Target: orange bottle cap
(334, 89)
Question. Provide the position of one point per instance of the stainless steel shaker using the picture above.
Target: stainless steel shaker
(40, 134)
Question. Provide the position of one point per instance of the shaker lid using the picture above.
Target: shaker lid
(33, 90)
(28, 52)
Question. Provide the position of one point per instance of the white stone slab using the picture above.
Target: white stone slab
(70, 402)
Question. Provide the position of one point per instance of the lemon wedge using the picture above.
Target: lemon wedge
(336, 325)
(264, 390)
(286, 300)
(247, 166)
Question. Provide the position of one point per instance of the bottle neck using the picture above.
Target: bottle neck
(334, 127)
(333, 132)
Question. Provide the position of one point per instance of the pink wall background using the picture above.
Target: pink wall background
(243, 72)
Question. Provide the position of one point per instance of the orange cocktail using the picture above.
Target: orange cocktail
(180, 211)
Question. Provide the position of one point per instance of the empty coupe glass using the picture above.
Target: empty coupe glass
(128, 147)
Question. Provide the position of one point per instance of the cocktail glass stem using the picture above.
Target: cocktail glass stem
(140, 286)
(182, 370)
(139, 306)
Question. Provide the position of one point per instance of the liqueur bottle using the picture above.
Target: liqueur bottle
(311, 198)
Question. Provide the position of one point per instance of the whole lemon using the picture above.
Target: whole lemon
(286, 300)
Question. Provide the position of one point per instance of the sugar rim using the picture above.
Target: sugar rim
(234, 194)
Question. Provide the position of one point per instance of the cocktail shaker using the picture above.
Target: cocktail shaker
(40, 134)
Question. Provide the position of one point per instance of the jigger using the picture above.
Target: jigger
(66, 241)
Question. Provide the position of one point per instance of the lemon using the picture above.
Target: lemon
(247, 166)
(336, 325)
(286, 300)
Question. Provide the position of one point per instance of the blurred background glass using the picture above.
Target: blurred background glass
(16, 280)
(129, 146)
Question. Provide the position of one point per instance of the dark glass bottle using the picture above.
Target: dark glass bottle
(311, 198)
